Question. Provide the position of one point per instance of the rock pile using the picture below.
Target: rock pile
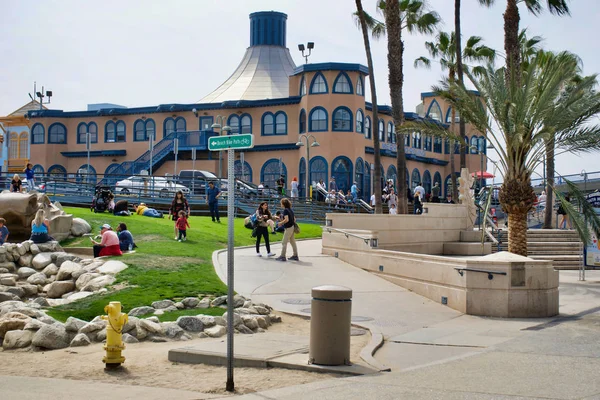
(27, 325)
(47, 273)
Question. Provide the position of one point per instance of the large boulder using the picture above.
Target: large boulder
(9, 265)
(219, 301)
(112, 267)
(190, 302)
(84, 279)
(172, 330)
(191, 324)
(61, 257)
(41, 260)
(52, 337)
(25, 272)
(5, 296)
(26, 260)
(17, 339)
(93, 327)
(16, 290)
(8, 280)
(30, 290)
(216, 331)
(163, 304)
(12, 322)
(80, 340)
(80, 227)
(37, 279)
(207, 320)
(78, 296)
(66, 270)
(237, 320)
(74, 324)
(139, 311)
(150, 326)
(58, 288)
(98, 283)
(50, 270)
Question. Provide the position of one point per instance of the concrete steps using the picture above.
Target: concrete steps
(563, 247)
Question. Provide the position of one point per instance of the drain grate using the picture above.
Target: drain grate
(302, 302)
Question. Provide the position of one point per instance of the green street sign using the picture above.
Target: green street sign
(245, 141)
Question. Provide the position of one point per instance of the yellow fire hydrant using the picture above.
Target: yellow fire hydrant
(114, 343)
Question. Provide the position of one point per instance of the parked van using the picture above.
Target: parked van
(196, 180)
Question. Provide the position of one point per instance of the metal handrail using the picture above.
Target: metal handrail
(329, 229)
(485, 271)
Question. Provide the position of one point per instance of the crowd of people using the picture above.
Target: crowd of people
(417, 197)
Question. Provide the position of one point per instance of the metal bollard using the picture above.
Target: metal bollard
(331, 311)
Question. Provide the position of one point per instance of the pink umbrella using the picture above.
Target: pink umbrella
(484, 175)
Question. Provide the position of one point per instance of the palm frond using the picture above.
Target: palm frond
(422, 61)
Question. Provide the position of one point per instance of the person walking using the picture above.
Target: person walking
(288, 222)
(263, 217)
(564, 221)
(212, 199)
(421, 191)
(182, 225)
(178, 204)
(295, 187)
(354, 191)
(29, 175)
(435, 193)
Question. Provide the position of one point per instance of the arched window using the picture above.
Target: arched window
(86, 174)
(359, 177)
(437, 178)
(434, 112)
(57, 172)
(318, 170)
(416, 139)
(318, 84)
(474, 143)
(359, 121)
(268, 124)
(301, 177)
(57, 133)
(234, 123)
(360, 86)
(342, 119)
(341, 168)
(38, 170)
(342, 84)
(13, 145)
(415, 179)
(367, 192)
(244, 174)
(368, 127)
(303, 86)
(449, 116)
(381, 130)
(448, 186)
(391, 132)
(83, 128)
(246, 123)
(392, 174)
(111, 174)
(427, 143)
(447, 146)
(407, 140)
(280, 123)
(456, 147)
(23, 145)
(437, 146)
(302, 119)
(271, 171)
(143, 130)
(481, 145)
(37, 134)
(427, 182)
(318, 120)
(114, 132)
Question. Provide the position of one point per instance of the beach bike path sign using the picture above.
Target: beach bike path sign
(235, 142)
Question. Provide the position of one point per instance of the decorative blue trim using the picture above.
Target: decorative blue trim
(448, 115)
(333, 119)
(273, 147)
(362, 128)
(262, 123)
(145, 122)
(310, 120)
(87, 127)
(277, 114)
(268, 28)
(57, 169)
(85, 166)
(94, 153)
(267, 163)
(433, 94)
(394, 171)
(38, 169)
(58, 124)
(312, 83)
(331, 66)
(413, 157)
(242, 124)
(231, 117)
(302, 114)
(310, 168)
(348, 80)
(350, 172)
(116, 139)
(429, 109)
(33, 141)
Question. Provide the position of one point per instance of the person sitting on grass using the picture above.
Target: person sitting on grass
(40, 228)
(3, 231)
(182, 224)
(143, 209)
(126, 242)
(109, 245)
(121, 208)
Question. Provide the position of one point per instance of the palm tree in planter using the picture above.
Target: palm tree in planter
(518, 115)
(444, 50)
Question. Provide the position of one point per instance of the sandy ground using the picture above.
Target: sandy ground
(147, 365)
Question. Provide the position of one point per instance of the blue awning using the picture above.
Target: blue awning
(95, 153)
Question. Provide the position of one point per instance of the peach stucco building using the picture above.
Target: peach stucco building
(267, 95)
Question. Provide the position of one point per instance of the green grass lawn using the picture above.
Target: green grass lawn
(162, 268)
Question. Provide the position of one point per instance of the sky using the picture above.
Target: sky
(150, 52)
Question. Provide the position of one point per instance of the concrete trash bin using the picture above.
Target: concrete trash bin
(330, 314)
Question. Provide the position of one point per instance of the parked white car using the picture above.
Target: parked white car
(146, 185)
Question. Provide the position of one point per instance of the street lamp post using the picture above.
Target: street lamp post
(151, 150)
(314, 143)
(88, 145)
(582, 269)
(221, 125)
(310, 46)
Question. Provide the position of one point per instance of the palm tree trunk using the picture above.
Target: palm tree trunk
(517, 233)
(374, 124)
(511, 40)
(452, 79)
(549, 184)
(459, 71)
(396, 82)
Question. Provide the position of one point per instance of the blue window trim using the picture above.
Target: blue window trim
(38, 168)
(368, 135)
(393, 170)
(58, 167)
(316, 158)
(380, 131)
(33, 136)
(310, 120)
(474, 143)
(278, 113)
(239, 127)
(448, 115)
(302, 83)
(241, 118)
(350, 172)
(50, 129)
(212, 120)
(87, 129)
(428, 143)
(313, 81)
(262, 124)
(302, 112)
(438, 140)
(437, 177)
(412, 180)
(247, 167)
(391, 133)
(447, 146)
(116, 124)
(92, 169)
(333, 119)
(350, 84)
(269, 161)
(484, 147)
(145, 122)
(175, 121)
(362, 84)
(429, 109)
(360, 111)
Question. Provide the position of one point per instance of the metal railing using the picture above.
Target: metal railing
(367, 240)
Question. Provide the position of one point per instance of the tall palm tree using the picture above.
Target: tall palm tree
(444, 49)
(414, 17)
(523, 112)
(511, 27)
(459, 71)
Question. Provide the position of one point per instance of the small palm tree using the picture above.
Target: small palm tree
(412, 16)
(444, 50)
(518, 116)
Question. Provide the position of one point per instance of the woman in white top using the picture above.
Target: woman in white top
(294, 187)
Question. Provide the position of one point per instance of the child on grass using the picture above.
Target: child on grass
(182, 224)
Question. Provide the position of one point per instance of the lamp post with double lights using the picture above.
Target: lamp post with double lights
(300, 143)
(309, 46)
(221, 125)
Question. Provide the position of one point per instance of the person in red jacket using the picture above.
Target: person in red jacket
(109, 245)
(182, 225)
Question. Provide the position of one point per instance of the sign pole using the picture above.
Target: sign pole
(193, 169)
(176, 151)
(230, 205)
